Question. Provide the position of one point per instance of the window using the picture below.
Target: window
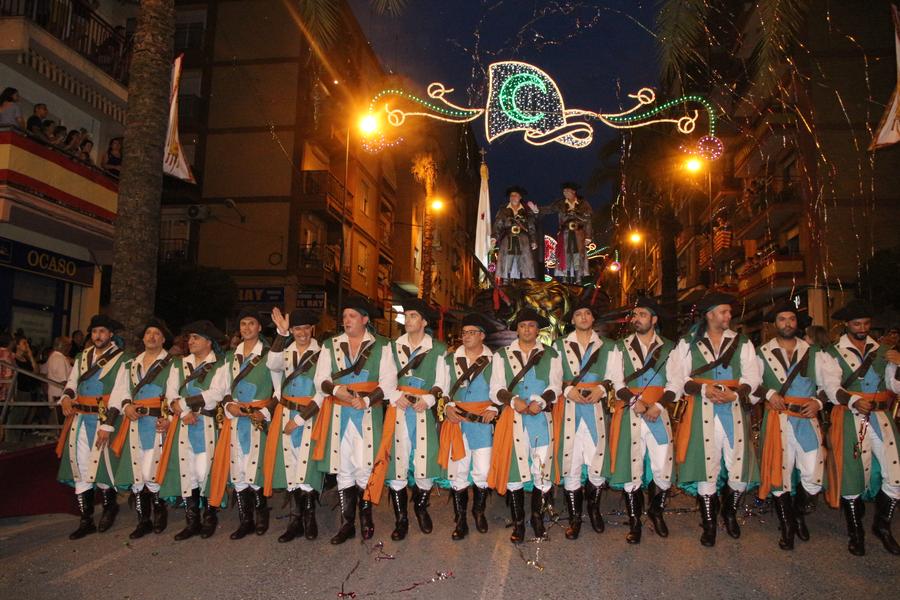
(362, 260)
(364, 191)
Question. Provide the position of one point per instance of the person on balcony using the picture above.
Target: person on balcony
(112, 158)
(574, 233)
(10, 112)
(515, 235)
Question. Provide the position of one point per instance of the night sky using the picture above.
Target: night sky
(595, 65)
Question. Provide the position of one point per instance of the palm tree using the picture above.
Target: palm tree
(136, 243)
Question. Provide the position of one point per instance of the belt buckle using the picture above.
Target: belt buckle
(142, 410)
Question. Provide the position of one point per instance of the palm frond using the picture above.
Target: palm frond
(322, 18)
(780, 23)
(389, 7)
(680, 25)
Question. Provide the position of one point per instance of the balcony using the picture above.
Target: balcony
(323, 194)
(770, 275)
(318, 264)
(767, 208)
(81, 29)
(46, 189)
(173, 250)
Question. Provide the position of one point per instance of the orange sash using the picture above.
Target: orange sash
(650, 395)
(221, 465)
(379, 471)
(320, 428)
(559, 415)
(272, 443)
(835, 462)
(683, 435)
(452, 446)
(770, 468)
(498, 475)
(67, 424)
(122, 434)
(166, 449)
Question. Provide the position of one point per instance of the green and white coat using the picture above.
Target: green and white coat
(143, 445)
(703, 464)
(415, 433)
(194, 445)
(82, 464)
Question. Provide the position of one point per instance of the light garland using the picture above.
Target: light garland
(522, 97)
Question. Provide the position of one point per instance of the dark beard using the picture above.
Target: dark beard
(639, 332)
(785, 336)
(860, 336)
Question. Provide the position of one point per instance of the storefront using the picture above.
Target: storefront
(43, 289)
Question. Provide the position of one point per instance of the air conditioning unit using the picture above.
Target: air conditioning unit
(198, 212)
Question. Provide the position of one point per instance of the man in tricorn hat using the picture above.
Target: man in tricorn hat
(650, 379)
(718, 371)
(574, 234)
(526, 378)
(515, 234)
(85, 463)
(466, 432)
(247, 392)
(139, 394)
(590, 367)
(790, 438)
(193, 430)
(355, 373)
(288, 464)
(863, 385)
(410, 430)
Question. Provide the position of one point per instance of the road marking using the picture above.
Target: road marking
(501, 557)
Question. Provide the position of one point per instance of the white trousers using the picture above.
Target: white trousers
(721, 449)
(583, 451)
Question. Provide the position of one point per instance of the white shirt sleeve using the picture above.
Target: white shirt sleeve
(890, 378)
(615, 368)
(72, 381)
(387, 374)
(830, 375)
(555, 378)
(761, 367)
(275, 361)
(498, 378)
(119, 394)
(323, 372)
(674, 377)
(749, 367)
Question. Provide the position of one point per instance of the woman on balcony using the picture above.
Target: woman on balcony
(112, 160)
(10, 113)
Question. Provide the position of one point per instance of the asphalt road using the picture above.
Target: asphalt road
(38, 561)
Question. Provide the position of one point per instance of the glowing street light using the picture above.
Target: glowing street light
(368, 124)
(635, 237)
(693, 165)
(437, 204)
(614, 266)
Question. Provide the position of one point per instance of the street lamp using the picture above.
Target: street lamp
(437, 204)
(695, 165)
(635, 238)
(368, 125)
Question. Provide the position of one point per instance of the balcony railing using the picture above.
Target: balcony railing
(769, 271)
(80, 28)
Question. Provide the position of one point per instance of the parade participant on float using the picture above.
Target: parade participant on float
(85, 462)
(574, 234)
(719, 371)
(790, 436)
(515, 235)
(139, 394)
(247, 389)
(590, 367)
(641, 432)
(355, 372)
(526, 378)
(288, 463)
(467, 431)
(410, 429)
(863, 438)
(191, 439)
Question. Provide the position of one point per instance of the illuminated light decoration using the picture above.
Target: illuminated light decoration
(594, 251)
(380, 143)
(614, 266)
(522, 97)
(710, 147)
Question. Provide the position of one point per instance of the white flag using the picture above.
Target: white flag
(483, 227)
(888, 131)
(174, 163)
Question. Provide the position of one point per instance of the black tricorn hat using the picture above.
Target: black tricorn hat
(584, 302)
(653, 306)
(570, 185)
(303, 317)
(855, 309)
(249, 313)
(803, 319)
(158, 324)
(517, 189)
(104, 321)
(418, 305)
(477, 320)
(712, 300)
(362, 306)
(205, 329)
(529, 314)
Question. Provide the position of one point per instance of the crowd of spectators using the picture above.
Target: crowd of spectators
(76, 141)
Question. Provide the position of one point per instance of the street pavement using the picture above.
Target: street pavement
(38, 561)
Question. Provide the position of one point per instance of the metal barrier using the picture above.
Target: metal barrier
(8, 400)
